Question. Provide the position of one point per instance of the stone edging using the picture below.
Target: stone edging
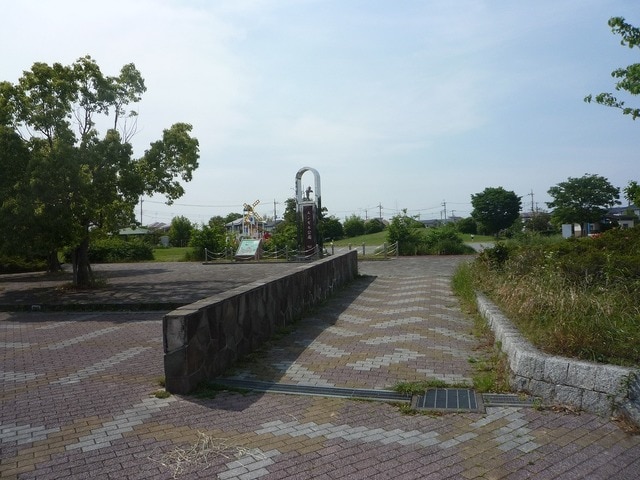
(596, 388)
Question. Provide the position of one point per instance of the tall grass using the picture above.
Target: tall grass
(574, 298)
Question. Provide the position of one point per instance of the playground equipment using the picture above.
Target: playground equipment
(251, 220)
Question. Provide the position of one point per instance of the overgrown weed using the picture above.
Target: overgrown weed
(576, 298)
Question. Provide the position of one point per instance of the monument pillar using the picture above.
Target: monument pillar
(309, 210)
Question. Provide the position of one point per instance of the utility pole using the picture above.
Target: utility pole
(274, 211)
(532, 203)
(444, 204)
(380, 211)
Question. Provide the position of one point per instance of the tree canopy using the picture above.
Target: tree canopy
(353, 226)
(63, 181)
(632, 193)
(495, 209)
(582, 200)
(628, 77)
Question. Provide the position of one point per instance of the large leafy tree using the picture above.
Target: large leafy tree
(632, 193)
(353, 226)
(628, 77)
(495, 209)
(331, 228)
(180, 231)
(582, 200)
(65, 180)
(406, 231)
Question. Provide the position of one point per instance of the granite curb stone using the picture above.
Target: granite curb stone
(596, 388)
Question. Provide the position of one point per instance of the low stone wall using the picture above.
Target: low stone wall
(203, 339)
(596, 388)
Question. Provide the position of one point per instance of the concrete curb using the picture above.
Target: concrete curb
(596, 388)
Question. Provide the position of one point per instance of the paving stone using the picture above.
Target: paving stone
(87, 402)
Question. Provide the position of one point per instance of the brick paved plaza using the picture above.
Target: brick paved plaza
(77, 389)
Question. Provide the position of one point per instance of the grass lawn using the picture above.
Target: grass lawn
(373, 239)
(377, 239)
(171, 254)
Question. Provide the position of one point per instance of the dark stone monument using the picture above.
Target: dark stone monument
(308, 211)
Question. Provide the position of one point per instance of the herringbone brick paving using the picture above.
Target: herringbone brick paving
(76, 393)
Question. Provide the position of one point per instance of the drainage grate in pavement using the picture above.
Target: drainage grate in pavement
(458, 399)
(358, 393)
(508, 400)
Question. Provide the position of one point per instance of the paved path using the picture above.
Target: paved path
(76, 393)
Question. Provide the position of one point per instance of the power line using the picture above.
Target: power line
(192, 205)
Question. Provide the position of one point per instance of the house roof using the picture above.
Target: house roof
(133, 231)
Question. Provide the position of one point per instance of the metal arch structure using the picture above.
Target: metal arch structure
(317, 194)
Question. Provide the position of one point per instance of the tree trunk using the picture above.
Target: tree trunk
(82, 274)
(53, 264)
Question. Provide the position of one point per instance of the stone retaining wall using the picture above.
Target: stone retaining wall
(596, 388)
(203, 339)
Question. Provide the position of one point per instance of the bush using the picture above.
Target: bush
(374, 225)
(212, 237)
(467, 225)
(353, 226)
(405, 231)
(445, 241)
(13, 264)
(115, 250)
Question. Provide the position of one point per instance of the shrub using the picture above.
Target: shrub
(374, 225)
(444, 241)
(353, 226)
(211, 237)
(115, 250)
(404, 230)
(14, 264)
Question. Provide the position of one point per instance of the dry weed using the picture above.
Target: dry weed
(201, 454)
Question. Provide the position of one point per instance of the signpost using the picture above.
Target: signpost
(249, 249)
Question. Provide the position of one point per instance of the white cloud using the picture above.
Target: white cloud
(404, 103)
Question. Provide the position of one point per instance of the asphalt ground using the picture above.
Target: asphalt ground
(77, 388)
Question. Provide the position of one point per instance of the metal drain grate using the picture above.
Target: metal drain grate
(458, 399)
(358, 393)
(508, 400)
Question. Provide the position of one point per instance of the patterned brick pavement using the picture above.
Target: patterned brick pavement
(76, 391)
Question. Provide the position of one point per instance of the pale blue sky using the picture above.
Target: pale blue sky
(404, 104)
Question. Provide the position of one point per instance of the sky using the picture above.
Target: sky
(403, 104)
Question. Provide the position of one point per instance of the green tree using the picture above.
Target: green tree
(582, 200)
(212, 237)
(290, 211)
(495, 209)
(331, 228)
(216, 220)
(373, 225)
(231, 217)
(353, 226)
(180, 231)
(539, 222)
(467, 225)
(632, 193)
(629, 77)
(406, 232)
(75, 182)
(285, 234)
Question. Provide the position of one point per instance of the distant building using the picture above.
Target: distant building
(127, 233)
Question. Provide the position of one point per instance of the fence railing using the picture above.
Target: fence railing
(385, 250)
(380, 251)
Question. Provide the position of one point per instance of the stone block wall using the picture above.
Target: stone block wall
(203, 339)
(593, 387)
